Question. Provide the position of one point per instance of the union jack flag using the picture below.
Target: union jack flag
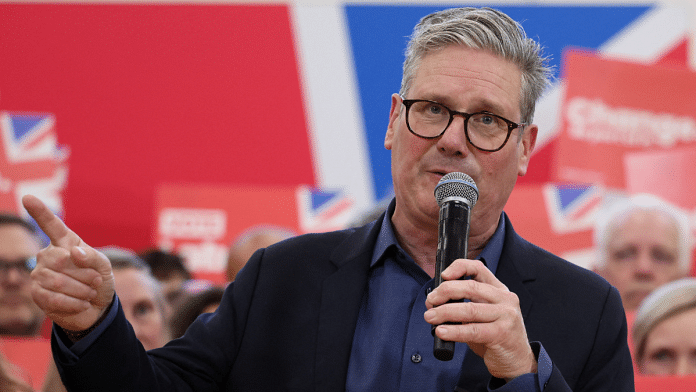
(30, 161)
(573, 207)
(321, 210)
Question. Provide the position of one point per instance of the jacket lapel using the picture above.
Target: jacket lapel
(342, 293)
(515, 268)
(513, 274)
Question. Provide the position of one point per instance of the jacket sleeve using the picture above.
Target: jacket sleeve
(609, 366)
(199, 361)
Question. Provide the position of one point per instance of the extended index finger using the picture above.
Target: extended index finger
(55, 229)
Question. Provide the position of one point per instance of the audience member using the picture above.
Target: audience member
(19, 244)
(250, 241)
(169, 269)
(664, 330)
(141, 297)
(192, 305)
(642, 243)
(143, 304)
(356, 309)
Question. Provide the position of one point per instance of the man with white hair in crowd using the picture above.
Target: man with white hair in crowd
(642, 243)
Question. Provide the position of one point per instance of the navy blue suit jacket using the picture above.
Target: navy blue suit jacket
(287, 322)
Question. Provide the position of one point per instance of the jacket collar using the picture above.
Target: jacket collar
(342, 292)
(515, 272)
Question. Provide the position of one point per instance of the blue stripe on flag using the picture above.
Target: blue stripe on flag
(378, 36)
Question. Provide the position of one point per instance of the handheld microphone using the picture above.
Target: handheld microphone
(456, 194)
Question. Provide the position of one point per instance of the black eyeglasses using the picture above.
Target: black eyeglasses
(22, 265)
(485, 131)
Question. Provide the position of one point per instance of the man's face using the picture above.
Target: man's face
(670, 348)
(173, 287)
(138, 298)
(19, 315)
(642, 254)
(466, 80)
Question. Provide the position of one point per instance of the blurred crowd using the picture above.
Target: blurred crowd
(644, 248)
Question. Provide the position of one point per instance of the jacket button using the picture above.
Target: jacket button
(416, 358)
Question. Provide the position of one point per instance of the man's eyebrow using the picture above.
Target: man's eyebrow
(487, 105)
(479, 105)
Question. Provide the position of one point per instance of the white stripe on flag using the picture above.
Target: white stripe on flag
(335, 121)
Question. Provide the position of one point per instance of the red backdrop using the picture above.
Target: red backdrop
(152, 94)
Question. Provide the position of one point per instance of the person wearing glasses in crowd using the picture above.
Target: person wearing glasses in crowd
(19, 315)
(19, 244)
(353, 309)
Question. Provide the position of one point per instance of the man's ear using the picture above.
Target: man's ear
(394, 113)
(526, 146)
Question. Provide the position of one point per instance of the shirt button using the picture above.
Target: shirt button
(416, 358)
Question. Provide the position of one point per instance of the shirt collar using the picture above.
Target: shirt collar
(387, 239)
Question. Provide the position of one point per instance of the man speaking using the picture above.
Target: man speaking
(352, 310)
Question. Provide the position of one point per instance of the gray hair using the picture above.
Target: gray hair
(608, 221)
(665, 302)
(486, 29)
(123, 258)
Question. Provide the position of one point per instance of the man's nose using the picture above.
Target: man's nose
(14, 276)
(644, 264)
(454, 141)
(684, 366)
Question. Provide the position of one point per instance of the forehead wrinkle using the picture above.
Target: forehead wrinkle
(488, 82)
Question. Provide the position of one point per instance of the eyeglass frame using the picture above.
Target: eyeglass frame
(466, 116)
(23, 266)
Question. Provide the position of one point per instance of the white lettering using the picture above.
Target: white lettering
(192, 223)
(204, 257)
(596, 122)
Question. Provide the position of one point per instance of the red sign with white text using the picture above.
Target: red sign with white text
(613, 109)
(201, 222)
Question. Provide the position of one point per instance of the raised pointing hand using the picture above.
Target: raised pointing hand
(72, 282)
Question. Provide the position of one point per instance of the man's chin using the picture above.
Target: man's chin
(20, 327)
(635, 298)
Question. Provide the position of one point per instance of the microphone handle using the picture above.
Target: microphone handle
(453, 243)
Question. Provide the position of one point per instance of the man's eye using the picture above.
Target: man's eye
(663, 257)
(624, 254)
(435, 109)
(662, 355)
(486, 119)
(142, 309)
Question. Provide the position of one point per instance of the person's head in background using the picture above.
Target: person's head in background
(664, 337)
(192, 305)
(642, 243)
(169, 269)
(250, 241)
(140, 295)
(19, 245)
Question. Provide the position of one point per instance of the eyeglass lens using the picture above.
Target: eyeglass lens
(486, 131)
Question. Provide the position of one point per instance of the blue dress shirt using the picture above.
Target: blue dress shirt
(393, 346)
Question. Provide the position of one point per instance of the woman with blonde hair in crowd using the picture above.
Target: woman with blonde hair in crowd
(663, 331)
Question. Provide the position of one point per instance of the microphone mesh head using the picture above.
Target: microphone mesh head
(456, 184)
